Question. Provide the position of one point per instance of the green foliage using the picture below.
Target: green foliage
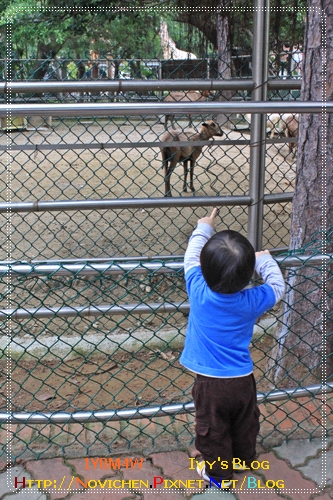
(127, 35)
(33, 25)
(53, 26)
(72, 70)
(61, 26)
(287, 22)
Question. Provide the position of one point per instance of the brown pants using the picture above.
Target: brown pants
(227, 422)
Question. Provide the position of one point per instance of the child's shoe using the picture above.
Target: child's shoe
(201, 470)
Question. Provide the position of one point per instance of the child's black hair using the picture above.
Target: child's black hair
(227, 262)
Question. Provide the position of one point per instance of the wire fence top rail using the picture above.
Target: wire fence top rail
(68, 311)
(120, 109)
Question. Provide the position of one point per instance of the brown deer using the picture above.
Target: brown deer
(171, 155)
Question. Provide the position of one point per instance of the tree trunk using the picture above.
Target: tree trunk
(224, 55)
(302, 338)
(223, 42)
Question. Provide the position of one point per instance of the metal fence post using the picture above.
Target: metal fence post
(258, 122)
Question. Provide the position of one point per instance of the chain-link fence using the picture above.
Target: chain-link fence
(101, 342)
(94, 301)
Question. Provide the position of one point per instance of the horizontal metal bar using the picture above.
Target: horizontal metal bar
(286, 84)
(118, 86)
(95, 416)
(137, 265)
(296, 392)
(136, 85)
(90, 269)
(136, 203)
(122, 85)
(274, 251)
(270, 199)
(148, 412)
(124, 204)
(119, 145)
(143, 109)
(134, 145)
(99, 260)
(304, 260)
(68, 312)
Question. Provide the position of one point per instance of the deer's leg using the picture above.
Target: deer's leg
(290, 144)
(293, 147)
(185, 176)
(192, 162)
(170, 118)
(168, 169)
(166, 178)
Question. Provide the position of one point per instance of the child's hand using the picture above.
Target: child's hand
(263, 252)
(209, 220)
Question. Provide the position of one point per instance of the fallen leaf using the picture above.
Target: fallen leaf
(45, 397)
(168, 356)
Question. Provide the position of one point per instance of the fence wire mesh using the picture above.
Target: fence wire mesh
(112, 339)
(82, 340)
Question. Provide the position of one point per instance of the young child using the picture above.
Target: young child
(222, 315)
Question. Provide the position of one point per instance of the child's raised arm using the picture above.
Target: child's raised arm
(204, 230)
(270, 272)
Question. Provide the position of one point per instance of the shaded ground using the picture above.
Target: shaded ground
(121, 380)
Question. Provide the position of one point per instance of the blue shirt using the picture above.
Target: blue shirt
(220, 326)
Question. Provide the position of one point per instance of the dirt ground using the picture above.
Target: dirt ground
(131, 172)
(123, 380)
